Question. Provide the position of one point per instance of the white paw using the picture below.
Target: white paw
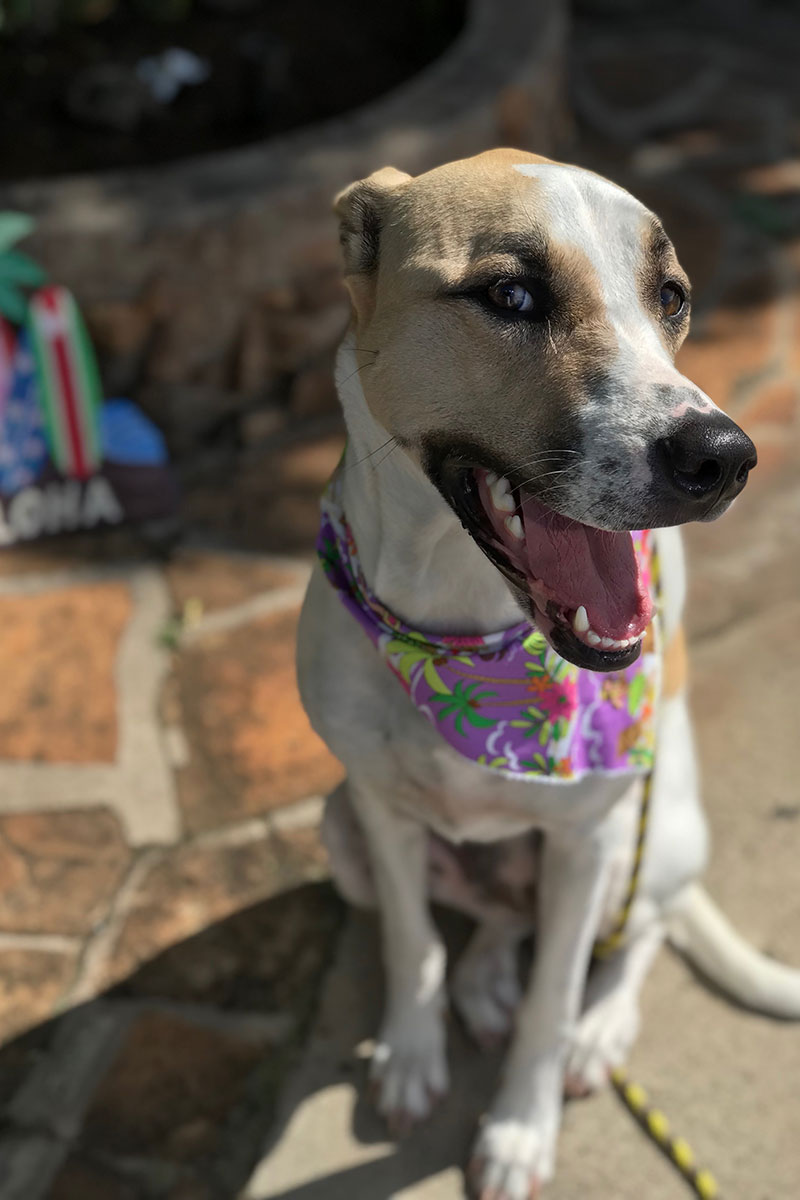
(408, 1073)
(602, 1041)
(511, 1160)
(486, 992)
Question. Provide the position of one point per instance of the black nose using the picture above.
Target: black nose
(707, 456)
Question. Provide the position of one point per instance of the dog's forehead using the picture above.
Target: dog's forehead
(454, 212)
(574, 202)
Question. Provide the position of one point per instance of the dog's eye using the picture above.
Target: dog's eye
(672, 299)
(510, 295)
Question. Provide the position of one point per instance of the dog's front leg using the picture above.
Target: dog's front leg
(409, 1068)
(515, 1150)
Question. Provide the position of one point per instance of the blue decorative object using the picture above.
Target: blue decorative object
(128, 437)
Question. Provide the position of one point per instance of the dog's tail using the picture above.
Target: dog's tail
(698, 929)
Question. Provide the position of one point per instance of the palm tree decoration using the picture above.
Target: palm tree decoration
(462, 704)
(412, 649)
(17, 271)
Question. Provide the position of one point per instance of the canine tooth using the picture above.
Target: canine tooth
(592, 638)
(491, 478)
(514, 527)
(501, 496)
(580, 622)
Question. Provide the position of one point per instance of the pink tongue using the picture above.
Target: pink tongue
(574, 564)
(581, 565)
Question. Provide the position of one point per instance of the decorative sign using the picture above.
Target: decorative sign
(69, 460)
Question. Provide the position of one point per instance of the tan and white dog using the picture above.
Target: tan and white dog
(519, 317)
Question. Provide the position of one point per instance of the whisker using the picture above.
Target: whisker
(391, 450)
(377, 450)
(342, 382)
(545, 474)
(543, 457)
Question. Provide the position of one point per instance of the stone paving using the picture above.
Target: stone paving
(183, 1000)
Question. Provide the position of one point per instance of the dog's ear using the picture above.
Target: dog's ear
(361, 209)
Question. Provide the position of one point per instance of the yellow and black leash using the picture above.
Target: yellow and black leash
(605, 947)
(651, 1119)
(676, 1149)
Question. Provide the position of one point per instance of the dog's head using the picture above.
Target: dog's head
(522, 318)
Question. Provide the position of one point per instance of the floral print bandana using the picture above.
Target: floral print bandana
(506, 700)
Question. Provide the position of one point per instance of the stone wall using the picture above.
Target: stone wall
(212, 288)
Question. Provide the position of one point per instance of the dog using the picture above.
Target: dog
(513, 412)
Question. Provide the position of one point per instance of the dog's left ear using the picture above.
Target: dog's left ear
(361, 209)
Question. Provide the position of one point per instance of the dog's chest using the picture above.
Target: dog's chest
(463, 801)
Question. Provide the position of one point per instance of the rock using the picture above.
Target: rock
(59, 870)
(298, 337)
(189, 414)
(170, 1088)
(31, 982)
(243, 714)
(253, 370)
(313, 392)
(262, 424)
(120, 331)
(59, 647)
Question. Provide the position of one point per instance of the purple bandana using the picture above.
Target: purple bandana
(507, 700)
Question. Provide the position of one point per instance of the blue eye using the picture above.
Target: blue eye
(510, 296)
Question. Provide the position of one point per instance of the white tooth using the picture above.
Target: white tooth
(580, 622)
(504, 503)
(607, 643)
(501, 496)
(491, 478)
(514, 527)
(592, 638)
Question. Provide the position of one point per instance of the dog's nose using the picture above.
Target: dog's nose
(707, 456)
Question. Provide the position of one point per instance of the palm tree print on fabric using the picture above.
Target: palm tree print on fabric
(462, 704)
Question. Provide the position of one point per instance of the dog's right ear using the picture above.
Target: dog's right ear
(361, 209)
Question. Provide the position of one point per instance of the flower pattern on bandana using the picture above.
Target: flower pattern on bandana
(506, 700)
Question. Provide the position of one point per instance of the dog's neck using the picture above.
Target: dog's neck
(416, 557)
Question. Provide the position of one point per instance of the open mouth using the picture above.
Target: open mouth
(582, 586)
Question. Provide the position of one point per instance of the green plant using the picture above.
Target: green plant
(17, 271)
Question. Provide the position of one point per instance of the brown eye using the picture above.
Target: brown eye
(510, 295)
(672, 299)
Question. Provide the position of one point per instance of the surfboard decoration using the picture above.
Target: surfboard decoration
(69, 381)
(70, 460)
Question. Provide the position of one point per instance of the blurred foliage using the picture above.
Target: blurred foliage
(17, 271)
(43, 16)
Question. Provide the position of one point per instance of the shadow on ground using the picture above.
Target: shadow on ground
(165, 1085)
